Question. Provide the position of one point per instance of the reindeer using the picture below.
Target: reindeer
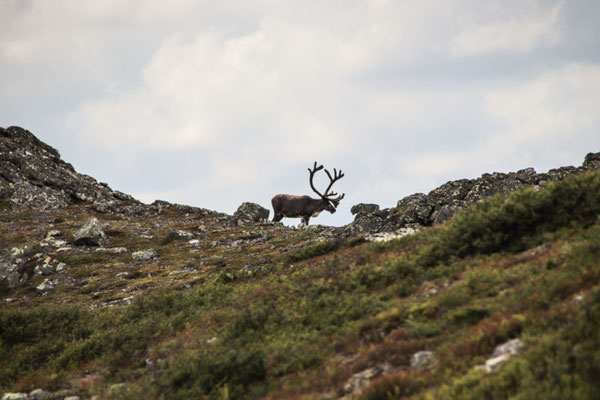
(291, 206)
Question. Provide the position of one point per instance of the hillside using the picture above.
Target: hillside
(488, 288)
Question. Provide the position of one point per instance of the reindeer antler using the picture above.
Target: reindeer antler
(312, 174)
(337, 175)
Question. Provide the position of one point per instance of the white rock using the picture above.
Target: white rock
(46, 285)
(502, 353)
(145, 255)
(53, 233)
(112, 250)
(40, 394)
(184, 235)
(15, 396)
(511, 347)
(422, 359)
(387, 236)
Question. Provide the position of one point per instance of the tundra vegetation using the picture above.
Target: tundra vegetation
(265, 311)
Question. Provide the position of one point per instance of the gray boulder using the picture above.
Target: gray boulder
(423, 359)
(249, 213)
(144, 255)
(592, 161)
(364, 209)
(15, 396)
(90, 234)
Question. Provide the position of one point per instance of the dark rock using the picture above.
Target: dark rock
(527, 176)
(249, 213)
(33, 175)
(90, 234)
(414, 209)
(491, 184)
(444, 202)
(363, 208)
(592, 161)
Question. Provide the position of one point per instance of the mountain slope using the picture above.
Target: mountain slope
(224, 310)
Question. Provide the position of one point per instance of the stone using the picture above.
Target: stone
(184, 235)
(13, 279)
(40, 394)
(423, 359)
(44, 269)
(591, 161)
(361, 379)
(511, 347)
(144, 255)
(45, 286)
(363, 208)
(52, 234)
(112, 250)
(250, 213)
(502, 353)
(90, 234)
(15, 396)
(528, 176)
(387, 236)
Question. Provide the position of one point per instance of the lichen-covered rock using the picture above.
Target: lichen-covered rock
(423, 359)
(364, 209)
(361, 379)
(249, 213)
(502, 353)
(32, 174)
(444, 202)
(591, 161)
(144, 255)
(15, 396)
(90, 234)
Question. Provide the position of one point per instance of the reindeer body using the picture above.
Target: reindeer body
(291, 206)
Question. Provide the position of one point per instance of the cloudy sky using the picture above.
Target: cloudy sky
(212, 103)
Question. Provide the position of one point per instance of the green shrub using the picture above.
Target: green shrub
(498, 223)
(202, 376)
(311, 251)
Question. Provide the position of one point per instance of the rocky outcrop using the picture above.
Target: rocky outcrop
(32, 174)
(419, 210)
(249, 213)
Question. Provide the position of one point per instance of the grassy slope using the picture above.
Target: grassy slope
(506, 268)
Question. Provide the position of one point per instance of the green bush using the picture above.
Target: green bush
(498, 223)
(202, 376)
(311, 251)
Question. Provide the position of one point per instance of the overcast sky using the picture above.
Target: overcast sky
(213, 103)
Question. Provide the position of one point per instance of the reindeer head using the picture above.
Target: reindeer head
(330, 203)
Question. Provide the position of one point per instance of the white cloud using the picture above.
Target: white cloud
(547, 112)
(513, 30)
